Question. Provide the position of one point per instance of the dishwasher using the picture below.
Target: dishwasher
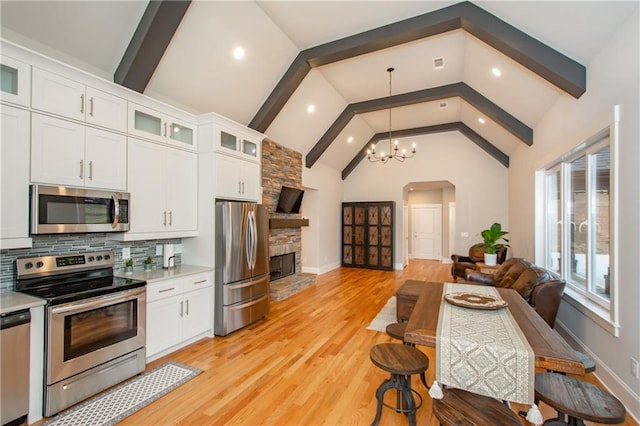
(14, 367)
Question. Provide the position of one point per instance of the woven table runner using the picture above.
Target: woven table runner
(483, 351)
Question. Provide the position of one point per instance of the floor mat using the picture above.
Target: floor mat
(386, 316)
(122, 401)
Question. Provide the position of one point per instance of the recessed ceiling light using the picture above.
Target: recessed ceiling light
(350, 139)
(238, 53)
(481, 120)
(311, 108)
(496, 72)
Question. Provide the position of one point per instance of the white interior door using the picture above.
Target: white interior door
(427, 231)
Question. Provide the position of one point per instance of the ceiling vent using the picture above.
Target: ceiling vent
(438, 63)
(443, 105)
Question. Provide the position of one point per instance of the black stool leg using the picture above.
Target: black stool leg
(385, 386)
(410, 402)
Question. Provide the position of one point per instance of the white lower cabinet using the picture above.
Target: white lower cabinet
(14, 178)
(178, 310)
(237, 179)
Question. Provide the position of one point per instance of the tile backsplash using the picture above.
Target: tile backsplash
(44, 245)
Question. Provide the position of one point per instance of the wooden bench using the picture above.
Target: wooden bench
(406, 298)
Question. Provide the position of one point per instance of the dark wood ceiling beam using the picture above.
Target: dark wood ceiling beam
(487, 146)
(159, 23)
(462, 90)
(558, 69)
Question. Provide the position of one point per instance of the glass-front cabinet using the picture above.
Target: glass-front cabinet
(15, 81)
(235, 143)
(150, 124)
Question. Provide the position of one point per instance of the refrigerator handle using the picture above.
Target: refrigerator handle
(247, 243)
(254, 240)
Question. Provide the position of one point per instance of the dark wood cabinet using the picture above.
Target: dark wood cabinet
(367, 234)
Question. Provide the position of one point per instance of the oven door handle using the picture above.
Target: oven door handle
(116, 211)
(99, 302)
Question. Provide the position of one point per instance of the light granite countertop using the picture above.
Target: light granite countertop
(165, 274)
(11, 301)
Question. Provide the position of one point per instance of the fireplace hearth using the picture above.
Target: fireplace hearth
(282, 266)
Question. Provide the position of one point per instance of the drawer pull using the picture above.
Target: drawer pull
(166, 289)
(200, 282)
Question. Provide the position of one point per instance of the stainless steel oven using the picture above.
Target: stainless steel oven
(95, 324)
(59, 209)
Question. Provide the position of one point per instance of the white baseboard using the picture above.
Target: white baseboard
(322, 269)
(608, 378)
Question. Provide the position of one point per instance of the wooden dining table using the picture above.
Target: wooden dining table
(551, 351)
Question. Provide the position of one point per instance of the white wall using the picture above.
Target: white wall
(322, 204)
(481, 184)
(612, 79)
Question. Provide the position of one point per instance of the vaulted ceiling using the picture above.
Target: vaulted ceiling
(334, 55)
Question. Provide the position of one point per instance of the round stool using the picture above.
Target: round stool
(396, 330)
(401, 361)
(578, 400)
(589, 364)
(459, 407)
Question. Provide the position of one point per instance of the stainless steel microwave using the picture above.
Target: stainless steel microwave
(61, 210)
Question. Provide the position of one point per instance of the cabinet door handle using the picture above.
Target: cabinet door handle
(81, 169)
(239, 187)
(187, 303)
(164, 223)
(82, 104)
(181, 308)
(90, 170)
(164, 290)
(243, 187)
(170, 217)
(200, 282)
(165, 129)
(91, 106)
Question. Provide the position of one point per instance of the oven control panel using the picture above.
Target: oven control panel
(63, 263)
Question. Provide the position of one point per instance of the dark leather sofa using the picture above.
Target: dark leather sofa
(536, 285)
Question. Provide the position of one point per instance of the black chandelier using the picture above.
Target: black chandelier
(383, 157)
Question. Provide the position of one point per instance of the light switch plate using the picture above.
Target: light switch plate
(158, 249)
(126, 252)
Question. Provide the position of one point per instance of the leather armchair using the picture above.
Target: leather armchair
(536, 285)
(476, 254)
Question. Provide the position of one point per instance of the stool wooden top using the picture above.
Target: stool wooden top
(589, 364)
(459, 407)
(397, 358)
(396, 330)
(579, 399)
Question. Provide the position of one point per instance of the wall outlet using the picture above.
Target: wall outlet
(177, 248)
(635, 368)
(158, 249)
(126, 252)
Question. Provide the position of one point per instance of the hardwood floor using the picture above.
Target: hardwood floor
(307, 364)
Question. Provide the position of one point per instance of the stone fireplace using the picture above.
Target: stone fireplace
(283, 167)
(282, 265)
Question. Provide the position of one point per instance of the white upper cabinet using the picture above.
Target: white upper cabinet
(15, 81)
(236, 179)
(237, 143)
(151, 124)
(14, 178)
(68, 153)
(163, 183)
(62, 96)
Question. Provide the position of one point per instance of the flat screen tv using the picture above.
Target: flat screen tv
(290, 200)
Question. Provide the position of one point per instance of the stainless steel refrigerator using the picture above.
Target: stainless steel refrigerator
(242, 265)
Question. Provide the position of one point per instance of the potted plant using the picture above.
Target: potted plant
(128, 266)
(491, 238)
(148, 263)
